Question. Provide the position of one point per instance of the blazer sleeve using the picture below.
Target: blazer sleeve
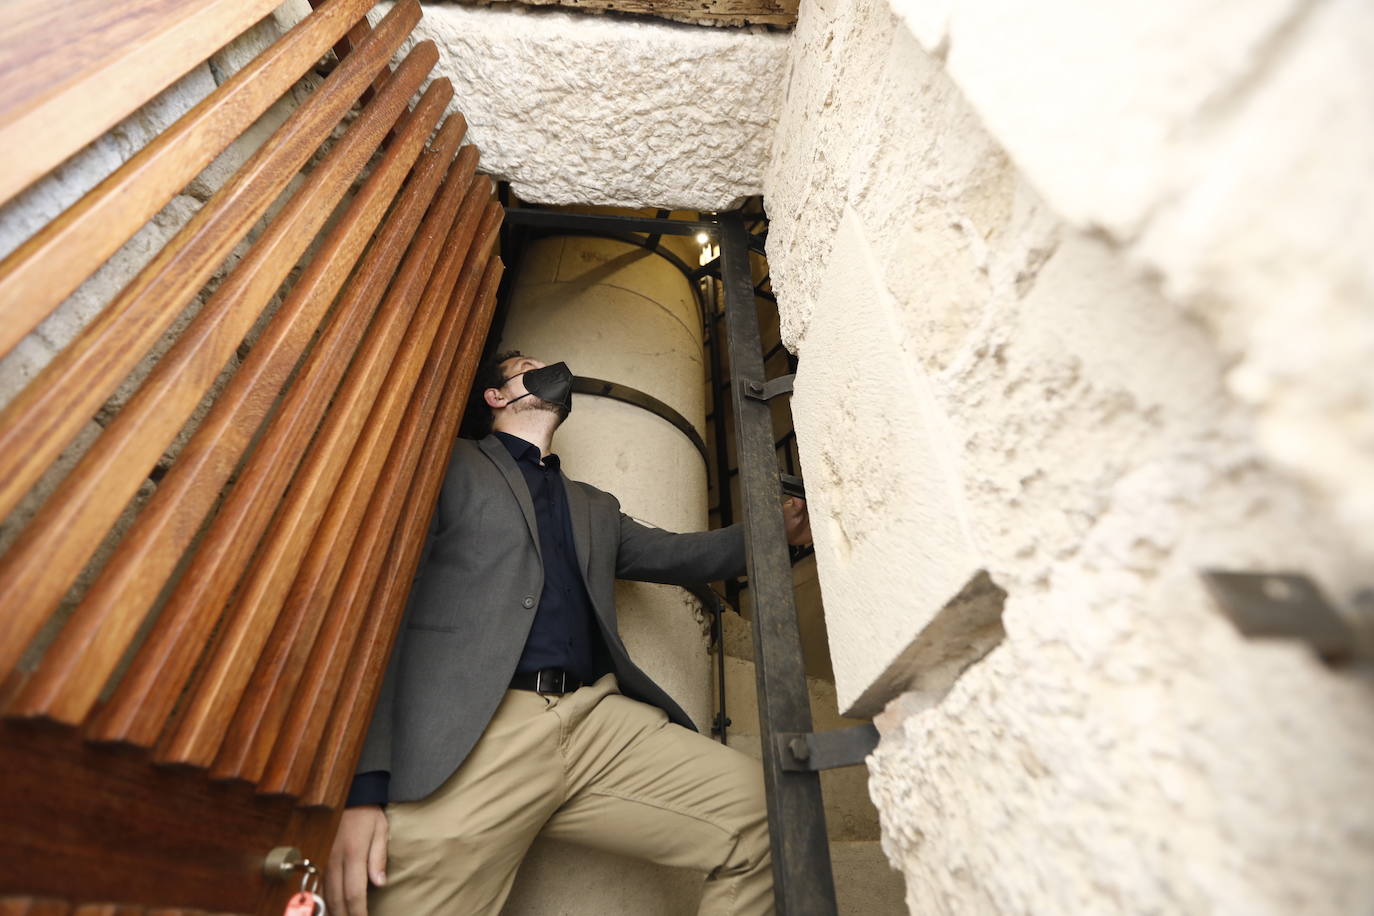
(654, 555)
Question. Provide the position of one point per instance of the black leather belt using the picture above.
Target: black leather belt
(546, 680)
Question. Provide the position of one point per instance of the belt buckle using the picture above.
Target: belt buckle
(539, 687)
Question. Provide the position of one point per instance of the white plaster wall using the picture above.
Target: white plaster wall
(1003, 377)
(583, 109)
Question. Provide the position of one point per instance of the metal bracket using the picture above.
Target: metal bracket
(769, 389)
(282, 861)
(840, 747)
(1284, 606)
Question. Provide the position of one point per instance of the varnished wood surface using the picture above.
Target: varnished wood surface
(343, 738)
(137, 711)
(38, 275)
(77, 516)
(101, 823)
(107, 829)
(97, 634)
(306, 710)
(345, 45)
(257, 723)
(331, 499)
(45, 416)
(71, 70)
(233, 655)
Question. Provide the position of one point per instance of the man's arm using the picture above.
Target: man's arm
(654, 555)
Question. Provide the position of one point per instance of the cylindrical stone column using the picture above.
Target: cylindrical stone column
(619, 313)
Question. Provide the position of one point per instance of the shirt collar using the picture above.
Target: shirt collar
(522, 450)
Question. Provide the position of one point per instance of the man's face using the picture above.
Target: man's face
(513, 371)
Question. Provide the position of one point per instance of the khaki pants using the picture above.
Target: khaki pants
(591, 767)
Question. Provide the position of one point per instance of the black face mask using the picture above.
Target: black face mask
(551, 383)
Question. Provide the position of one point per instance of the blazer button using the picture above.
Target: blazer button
(528, 602)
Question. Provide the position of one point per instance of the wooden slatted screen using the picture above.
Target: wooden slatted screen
(202, 695)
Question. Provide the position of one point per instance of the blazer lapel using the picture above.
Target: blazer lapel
(581, 524)
(502, 459)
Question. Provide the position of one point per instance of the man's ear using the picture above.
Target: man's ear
(494, 398)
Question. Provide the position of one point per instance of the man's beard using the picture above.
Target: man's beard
(535, 402)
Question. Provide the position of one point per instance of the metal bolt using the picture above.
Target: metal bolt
(799, 748)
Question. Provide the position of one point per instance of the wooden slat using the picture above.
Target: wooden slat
(140, 705)
(320, 517)
(308, 711)
(344, 46)
(90, 644)
(43, 271)
(234, 654)
(257, 723)
(30, 906)
(57, 543)
(70, 71)
(343, 739)
(42, 420)
(108, 909)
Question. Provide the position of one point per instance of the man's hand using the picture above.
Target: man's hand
(359, 854)
(798, 522)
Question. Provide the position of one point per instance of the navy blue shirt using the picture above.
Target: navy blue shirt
(564, 633)
(563, 630)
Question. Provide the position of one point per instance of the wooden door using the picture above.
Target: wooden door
(198, 606)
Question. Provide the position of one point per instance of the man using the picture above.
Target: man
(511, 708)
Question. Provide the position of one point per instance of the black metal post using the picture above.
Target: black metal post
(803, 883)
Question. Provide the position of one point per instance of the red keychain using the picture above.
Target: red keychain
(306, 902)
(303, 904)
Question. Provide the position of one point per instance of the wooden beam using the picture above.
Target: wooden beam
(780, 13)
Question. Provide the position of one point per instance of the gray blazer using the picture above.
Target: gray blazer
(474, 599)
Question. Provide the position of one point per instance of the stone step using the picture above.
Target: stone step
(865, 882)
(556, 880)
(739, 637)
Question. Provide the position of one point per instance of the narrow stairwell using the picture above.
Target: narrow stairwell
(865, 884)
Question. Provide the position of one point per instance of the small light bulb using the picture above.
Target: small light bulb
(702, 238)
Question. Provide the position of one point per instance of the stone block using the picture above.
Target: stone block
(893, 540)
(583, 109)
(557, 879)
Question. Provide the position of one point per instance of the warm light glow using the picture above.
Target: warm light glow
(702, 238)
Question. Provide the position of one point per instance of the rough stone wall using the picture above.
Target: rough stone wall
(1081, 303)
(581, 109)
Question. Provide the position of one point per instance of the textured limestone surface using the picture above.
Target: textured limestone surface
(1122, 749)
(1227, 151)
(578, 109)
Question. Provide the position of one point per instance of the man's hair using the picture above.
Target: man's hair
(478, 419)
